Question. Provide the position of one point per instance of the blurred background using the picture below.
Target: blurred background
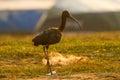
(31, 16)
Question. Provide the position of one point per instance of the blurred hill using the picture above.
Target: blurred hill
(104, 21)
(95, 15)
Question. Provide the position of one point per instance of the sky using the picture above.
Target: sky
(26, 4)
(89, 5)
(74, 6)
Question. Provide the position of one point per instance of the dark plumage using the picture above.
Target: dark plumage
(49, 36)
(52, 36)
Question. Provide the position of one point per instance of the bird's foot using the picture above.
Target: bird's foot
(51, 73)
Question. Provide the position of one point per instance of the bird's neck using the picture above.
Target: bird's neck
(63, 22)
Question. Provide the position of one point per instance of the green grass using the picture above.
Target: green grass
(19, 58)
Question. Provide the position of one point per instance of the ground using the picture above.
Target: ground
(82, 76)
(81, 56)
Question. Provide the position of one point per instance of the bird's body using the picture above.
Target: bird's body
(52, 36)
(48, 37)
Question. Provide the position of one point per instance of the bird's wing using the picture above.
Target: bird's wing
(49, 36)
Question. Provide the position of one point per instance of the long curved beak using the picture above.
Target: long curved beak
(79, 24)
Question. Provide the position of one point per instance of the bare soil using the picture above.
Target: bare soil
(82, 76)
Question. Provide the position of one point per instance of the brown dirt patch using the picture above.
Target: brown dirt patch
(82, 76)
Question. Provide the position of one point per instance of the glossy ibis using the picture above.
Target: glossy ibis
(52, 36)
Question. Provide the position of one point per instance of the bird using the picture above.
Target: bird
(52, 36)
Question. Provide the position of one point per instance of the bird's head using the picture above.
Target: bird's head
(66, 14)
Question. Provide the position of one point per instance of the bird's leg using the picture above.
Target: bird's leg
(45, 49)
(47, 57)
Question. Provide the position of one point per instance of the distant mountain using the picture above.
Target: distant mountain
(96, 15)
